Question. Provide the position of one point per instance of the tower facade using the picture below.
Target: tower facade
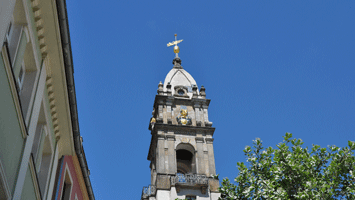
(181, 149)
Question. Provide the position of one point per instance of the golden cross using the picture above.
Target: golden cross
(176, 47)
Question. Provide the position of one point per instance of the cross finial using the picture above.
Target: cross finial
(176, 47)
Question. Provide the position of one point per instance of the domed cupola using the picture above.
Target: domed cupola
(180, 81)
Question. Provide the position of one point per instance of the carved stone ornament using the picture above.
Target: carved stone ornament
(185, 140)
(183, 118)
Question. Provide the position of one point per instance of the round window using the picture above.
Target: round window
(181, 92)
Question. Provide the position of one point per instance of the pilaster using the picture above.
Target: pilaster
(211, 163)
(171, 154)
(160, 153)
(197, 114)
(168, 111)
(200, 156)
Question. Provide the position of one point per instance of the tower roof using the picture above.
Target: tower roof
(179, 77)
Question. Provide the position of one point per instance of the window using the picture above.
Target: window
(13, 37)
(42, 150)
(190, 197)
(21, 77)
(184, 161)
(4, 190)
(44, 163)
(8, 33)
(181, 92)
(67, 186)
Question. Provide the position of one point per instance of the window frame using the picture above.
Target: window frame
(21, 79)
(3, 182)
(66, 172)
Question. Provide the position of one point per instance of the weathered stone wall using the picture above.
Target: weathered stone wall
(170, 135)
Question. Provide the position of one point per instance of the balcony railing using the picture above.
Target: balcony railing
(148, 191)
(189, 179)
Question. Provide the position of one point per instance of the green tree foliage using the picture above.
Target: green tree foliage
(293, 172)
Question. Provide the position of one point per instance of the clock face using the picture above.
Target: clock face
(181, 92)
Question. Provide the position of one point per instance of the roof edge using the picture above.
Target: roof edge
(69, 73)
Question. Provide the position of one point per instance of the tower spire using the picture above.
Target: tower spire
(176, 47)
(181, 151)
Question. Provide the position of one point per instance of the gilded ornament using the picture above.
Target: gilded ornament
(153, 120)
(176, 47)
(185, 140)
(183, 118)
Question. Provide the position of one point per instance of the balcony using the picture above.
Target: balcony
(148, 191)
(190, 180)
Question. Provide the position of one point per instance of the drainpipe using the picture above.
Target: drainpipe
(69, 72)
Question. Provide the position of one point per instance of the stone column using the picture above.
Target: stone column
(165, 119)
(197, 114)
(199, 157)
(205, 113)
(168, 112)
(202, 117)
(211, 163)
(205, 158)
(171, 154)
(153, 173)
(160, 112)
(160, 153)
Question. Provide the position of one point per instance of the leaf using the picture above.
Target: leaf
(291, 171)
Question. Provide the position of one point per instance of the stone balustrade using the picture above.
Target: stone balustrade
(148, 191)
(189, 179)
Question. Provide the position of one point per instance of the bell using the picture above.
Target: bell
(176, 49)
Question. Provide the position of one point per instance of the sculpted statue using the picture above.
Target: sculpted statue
(183, 118)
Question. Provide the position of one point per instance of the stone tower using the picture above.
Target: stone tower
(181, 149)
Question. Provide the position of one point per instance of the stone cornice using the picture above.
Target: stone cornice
(209, 140)
(170, 137)
(39, 23)
(161, 136)
(189, 130)
(162, 99)
(199, 139)
(47, 37)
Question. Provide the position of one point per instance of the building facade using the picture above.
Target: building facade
(41, 150)
(181, 149)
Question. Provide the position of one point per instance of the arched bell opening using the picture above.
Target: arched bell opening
(185, 159)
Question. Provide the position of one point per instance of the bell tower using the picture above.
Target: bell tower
(181, 148)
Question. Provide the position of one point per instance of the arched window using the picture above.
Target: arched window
(185, 159)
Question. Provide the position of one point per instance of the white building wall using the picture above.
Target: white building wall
(215, 196)
(163, 195)
(195, 192)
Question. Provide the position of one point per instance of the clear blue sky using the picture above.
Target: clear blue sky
(269, 67)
